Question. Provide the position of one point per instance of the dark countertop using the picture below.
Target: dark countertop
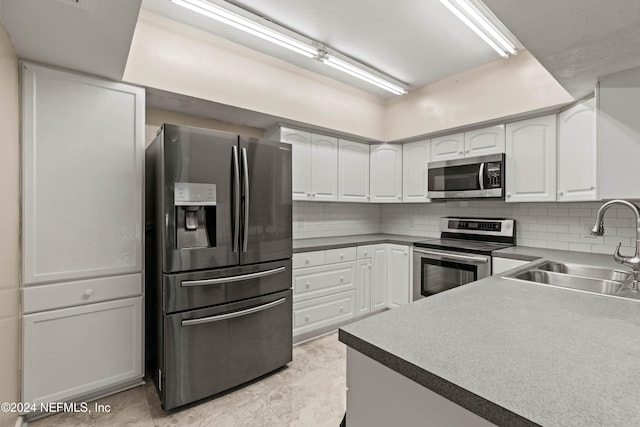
(516, 353)
(323, 243)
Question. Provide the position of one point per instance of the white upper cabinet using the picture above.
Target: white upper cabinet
(324, 168)
(531, 160)
(386, 173)
(353, 171)
(484, 141)
(619, 135)
(314, 161)
(300, 161)
(447, 147)
(577, 152)
(83, 153)
(415, 157)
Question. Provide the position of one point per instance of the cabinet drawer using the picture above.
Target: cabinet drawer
(68, 294)
(319, 281)
(340, 255)
(308, 259)
(364, 251)
(320, 312)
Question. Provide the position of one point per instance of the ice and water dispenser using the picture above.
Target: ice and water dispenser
(195, 206)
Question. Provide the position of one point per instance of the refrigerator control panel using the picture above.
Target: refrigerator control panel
(193, 194)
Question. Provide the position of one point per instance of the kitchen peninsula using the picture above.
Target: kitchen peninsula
(497, 351)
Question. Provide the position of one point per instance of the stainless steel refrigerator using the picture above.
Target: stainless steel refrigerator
(218, 261)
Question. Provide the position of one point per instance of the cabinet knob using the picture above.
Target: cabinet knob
(342, 278)
(341, 256)
(308, 285)
(306, 318)
(365, 253)
(341, 309)
(369, 266)
(308, 194)
(306, 261)
(508, 194)
(88, 292)
(468, 151)
(593, 187)
(313, 195)
(399, 197)
(561, 192)
(460, 152)
(405, 253)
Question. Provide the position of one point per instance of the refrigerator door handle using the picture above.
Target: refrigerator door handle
(245, 171)
(216, 281)
(234, 314)
(236, 200)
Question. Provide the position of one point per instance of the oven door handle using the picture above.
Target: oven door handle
(228, 316)
(481, 176)
(216, 281)
(453, 257)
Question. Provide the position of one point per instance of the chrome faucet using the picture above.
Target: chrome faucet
(598, 230)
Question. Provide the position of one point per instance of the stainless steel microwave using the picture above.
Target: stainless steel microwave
(469, 178)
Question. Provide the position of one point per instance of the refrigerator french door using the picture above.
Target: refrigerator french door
(219, 244)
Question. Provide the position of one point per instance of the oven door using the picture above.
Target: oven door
(437, 271)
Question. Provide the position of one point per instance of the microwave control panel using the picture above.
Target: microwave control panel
(494, 174)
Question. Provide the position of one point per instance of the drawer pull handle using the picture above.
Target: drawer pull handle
(234, 314)
(87, 293)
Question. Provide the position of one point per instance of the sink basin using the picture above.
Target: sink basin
(600, 286)
(586, 271)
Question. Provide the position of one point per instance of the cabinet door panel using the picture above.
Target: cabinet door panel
(77, 350)
(447, 147)
(324, 168)
(363, 287)
(353, 171)
(300, 162)
(379, 276)
(386, 173)
(484, 141)
(415, 157)
(83, 148)
(531, 160)
(577, 152)
(399, 284)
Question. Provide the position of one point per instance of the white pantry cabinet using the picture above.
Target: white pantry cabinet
(481, 142)
(619, 135)
(314, 165)
(531, 160)
(386, 173)
(577, 151)
(399, 274)
(415, 157)
(353, 171)
(447, 147)
(83, 153)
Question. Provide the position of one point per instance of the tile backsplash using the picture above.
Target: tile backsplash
(546, 225)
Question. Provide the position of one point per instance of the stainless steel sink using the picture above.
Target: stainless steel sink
(584, 278)
(599, 286)
(586, 271)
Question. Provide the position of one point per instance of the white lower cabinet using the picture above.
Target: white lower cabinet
(333, 286)
(73, 351)
(398, 275)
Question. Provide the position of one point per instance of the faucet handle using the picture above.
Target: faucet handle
(616, 255)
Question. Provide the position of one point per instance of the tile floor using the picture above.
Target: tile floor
(311, 391)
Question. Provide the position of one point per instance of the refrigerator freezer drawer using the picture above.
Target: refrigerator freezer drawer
(199, 289)
(211, 350)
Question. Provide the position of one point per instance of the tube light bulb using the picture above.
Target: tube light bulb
(348, 68)
(484, 22)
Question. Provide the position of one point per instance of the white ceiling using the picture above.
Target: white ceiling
(414, 41)
(92, 36)
(577, 41)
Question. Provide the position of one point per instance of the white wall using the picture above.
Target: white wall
(500, 88)
(9, 227)
(313, 219)
(173, 57)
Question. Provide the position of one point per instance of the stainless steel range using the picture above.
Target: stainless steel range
(461, 255)
(218, 261)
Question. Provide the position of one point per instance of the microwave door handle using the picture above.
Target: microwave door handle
(481, 176)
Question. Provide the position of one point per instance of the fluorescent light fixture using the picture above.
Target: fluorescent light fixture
(240, 22)
(355, 71)
(481, 24)
(307, 49)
